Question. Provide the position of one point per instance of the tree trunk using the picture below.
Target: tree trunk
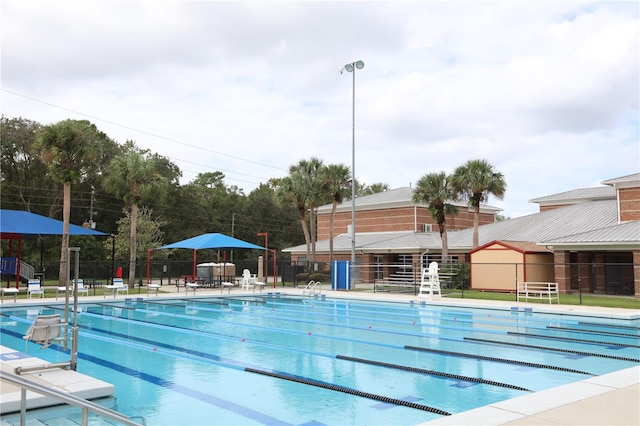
(445, 242)
(305, 230)
(64, 252)
(132, 243)
(476, 223)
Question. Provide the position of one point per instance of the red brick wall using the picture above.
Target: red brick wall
(395, 219)
(629, 204)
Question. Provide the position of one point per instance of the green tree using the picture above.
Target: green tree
(311, 170)
(70, 150)
(135, 177)
(337, 183)
(304, 187)
(435, 190)
(374, 188)
(475, 181)
(149, 234)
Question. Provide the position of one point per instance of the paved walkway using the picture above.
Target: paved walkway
(611, 399)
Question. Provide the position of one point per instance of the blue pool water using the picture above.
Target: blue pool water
(281, 359)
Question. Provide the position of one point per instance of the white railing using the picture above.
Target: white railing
(27, 270)
(310, 289)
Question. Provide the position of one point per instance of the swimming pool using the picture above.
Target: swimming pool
(283, 359)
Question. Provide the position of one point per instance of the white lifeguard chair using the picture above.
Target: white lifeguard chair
(430, 283)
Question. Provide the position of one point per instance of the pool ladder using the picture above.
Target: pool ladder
(310, 289)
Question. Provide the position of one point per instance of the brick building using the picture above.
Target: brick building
(593, 233)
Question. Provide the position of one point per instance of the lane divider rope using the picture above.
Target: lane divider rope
(490, 358)
(432, 372)
(347, 390)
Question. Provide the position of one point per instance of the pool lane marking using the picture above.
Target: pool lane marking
(289, 349)
(570, 339)
(597, 324)
(168, 384)
(495, 359)
(526, 363)
(546, 348)
(599, 332)
(432, 372)
(228, 405)
(344, 389)
(505, 325)
(192, 393)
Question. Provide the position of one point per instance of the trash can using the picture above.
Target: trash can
(341, 275)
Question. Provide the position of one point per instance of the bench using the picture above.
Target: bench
(10, 290)
(395, 285)
(538, 290)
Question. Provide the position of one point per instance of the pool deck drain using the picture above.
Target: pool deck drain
(609, 399)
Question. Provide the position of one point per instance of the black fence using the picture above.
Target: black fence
(598, 278)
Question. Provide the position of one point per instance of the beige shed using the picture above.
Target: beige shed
(500, 265)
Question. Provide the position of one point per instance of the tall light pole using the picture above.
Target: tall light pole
(351, 67)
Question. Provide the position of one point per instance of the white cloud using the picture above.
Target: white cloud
(547, 92)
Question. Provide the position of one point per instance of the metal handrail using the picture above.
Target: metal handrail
(66, 398)
(310, 289)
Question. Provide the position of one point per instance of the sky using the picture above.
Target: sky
(546, 91)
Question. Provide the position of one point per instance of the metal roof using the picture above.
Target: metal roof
(377, 242)
(620, 234)
(399, 197)
(632, 178)
(583, 223)
(543, 226)
(577, 195)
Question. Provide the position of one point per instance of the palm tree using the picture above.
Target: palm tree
(69, 148)
(291, 189)
(308, 194)
(475, 181)
(135, 177)
(435, 190)
(337, 182)
(374, 188)
(312, 172)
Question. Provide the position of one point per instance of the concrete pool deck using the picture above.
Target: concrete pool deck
(610, 399)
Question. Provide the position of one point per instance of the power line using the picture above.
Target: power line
(140, 131)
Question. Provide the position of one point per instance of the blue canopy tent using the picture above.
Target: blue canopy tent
(16, 224)
(205, 241)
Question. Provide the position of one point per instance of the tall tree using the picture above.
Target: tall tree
(311, 172)
(292, 190)
(435, 190)
(134, 176)
(475, 181)
(70, 150)
(337, 182)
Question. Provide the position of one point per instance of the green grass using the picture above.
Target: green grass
(625, 302)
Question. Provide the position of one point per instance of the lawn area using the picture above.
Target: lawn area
(625, 302)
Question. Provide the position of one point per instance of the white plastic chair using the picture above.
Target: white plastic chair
(82, 288)
(247, 280)
(34, 287)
